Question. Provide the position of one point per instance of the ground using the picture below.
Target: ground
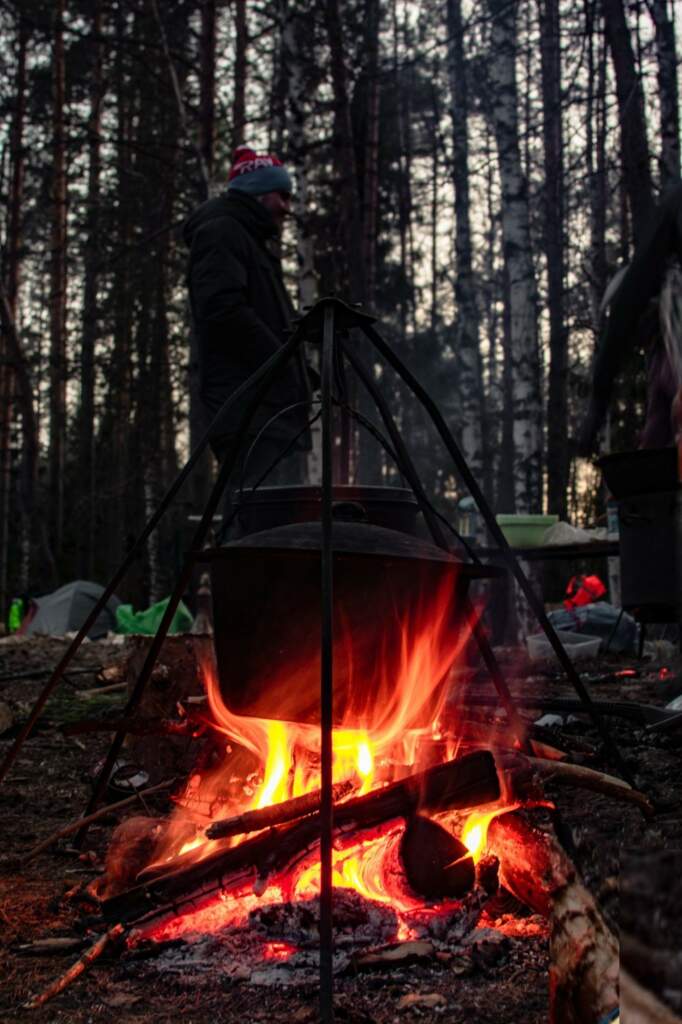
(49, 786)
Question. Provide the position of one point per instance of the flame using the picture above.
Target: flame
(269, 761)
(475, 831)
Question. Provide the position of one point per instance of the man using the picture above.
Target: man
(644, 311)
(240, 311)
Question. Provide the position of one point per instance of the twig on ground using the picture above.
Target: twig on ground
(95, 816)
(91, 954)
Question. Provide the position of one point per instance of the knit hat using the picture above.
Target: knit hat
(257, 174)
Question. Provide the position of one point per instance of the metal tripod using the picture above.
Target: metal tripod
(326, 324)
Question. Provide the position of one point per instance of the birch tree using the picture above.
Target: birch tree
(523, 338)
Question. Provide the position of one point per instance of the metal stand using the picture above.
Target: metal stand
(327, 323)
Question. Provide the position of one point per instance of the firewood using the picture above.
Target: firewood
(74, 826)
(275, 814)
(586, 778)
(584, 952)
(436, 863)
(91, 954)
(467, 782)
(640, 1006)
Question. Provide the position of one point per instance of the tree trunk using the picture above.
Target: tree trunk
(207, 46)
(524, 350)
(370, 191)
(351, 269)
(12, 273)
(58, 289)
(596, 163)
(633, 140)
(86, 440)
(240, 72)
(557, 405)
(469, 380)
(668, 93)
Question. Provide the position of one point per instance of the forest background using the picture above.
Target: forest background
(473, 173)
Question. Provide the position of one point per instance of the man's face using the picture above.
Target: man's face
(279, 206)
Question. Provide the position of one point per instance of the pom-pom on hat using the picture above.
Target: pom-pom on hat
(257, 174)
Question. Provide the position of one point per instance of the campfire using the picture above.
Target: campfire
(415, 787)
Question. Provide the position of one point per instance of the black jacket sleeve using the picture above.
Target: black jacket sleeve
(218, 282)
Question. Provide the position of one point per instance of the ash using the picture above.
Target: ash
(278, 946)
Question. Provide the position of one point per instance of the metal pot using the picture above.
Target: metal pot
(266, 608)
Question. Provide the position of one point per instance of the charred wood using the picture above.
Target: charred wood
(275, 814)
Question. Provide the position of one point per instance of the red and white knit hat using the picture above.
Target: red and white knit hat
(257, 174)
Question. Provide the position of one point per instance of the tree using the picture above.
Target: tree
(523, 355)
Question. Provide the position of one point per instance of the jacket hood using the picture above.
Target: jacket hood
(242, 207)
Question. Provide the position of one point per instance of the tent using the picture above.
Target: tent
(66, 609)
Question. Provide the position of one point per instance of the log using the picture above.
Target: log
(275, 814)
(467, 782)
(584, 952)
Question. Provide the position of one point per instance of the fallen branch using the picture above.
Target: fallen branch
(584, 952)
(586, 778)
(95, 816)
(97, 690)
(467, 782)
(275, 814)
(640, 1006)
(91, 954)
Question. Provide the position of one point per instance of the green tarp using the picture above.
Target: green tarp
(147, 622)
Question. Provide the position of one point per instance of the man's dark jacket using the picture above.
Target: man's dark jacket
(240, 310)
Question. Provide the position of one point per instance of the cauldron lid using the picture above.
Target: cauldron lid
(347, 538)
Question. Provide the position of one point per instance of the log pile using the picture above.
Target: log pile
(470, 781)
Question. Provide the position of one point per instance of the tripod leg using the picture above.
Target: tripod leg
(265, 378)
(501, 541)
(326, 678)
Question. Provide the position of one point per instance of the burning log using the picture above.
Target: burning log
(467, 782)
(436, 864)
(584, 968)
(275, 814)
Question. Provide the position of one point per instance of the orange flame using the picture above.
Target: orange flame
(399, 719)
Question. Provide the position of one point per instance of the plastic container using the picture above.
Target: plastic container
(578, 646)
(525, 531)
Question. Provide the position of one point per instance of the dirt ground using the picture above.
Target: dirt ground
(50, 784)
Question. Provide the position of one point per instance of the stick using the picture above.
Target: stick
(91, 954)
(275, 814)
(96, 690)
(95, 816)
(586, 778)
